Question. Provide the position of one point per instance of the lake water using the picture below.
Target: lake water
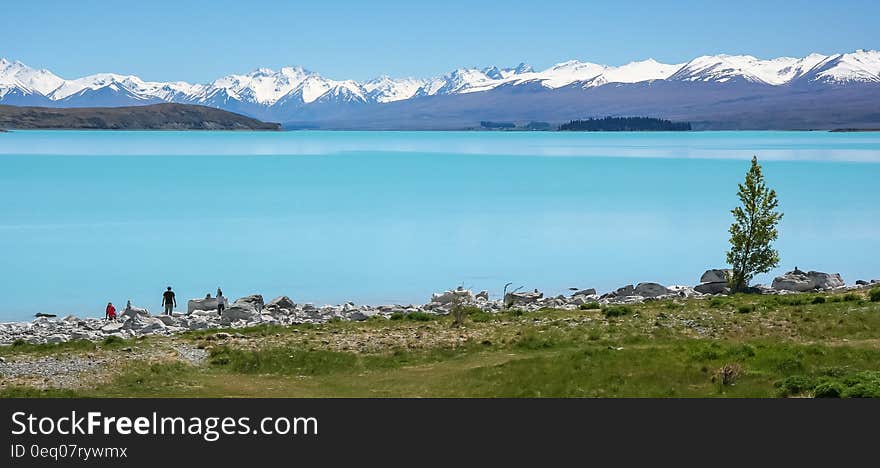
(390, 217)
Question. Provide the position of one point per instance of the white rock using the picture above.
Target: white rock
(512, 299)
(111, 327)
(281, 302)
(203, 304)
(650, 290)
(716, 275)
(446, 297)
(797, 280)
(254, 300)
(240, 312)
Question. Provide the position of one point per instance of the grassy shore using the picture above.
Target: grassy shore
(742, 346)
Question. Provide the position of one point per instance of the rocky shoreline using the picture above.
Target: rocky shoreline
(253, 311)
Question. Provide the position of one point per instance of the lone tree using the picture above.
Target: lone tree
(753, 229)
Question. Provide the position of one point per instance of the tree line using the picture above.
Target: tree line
(625, 124)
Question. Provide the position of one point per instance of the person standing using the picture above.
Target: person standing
(169, 301)
(110, 312)
(221, 302)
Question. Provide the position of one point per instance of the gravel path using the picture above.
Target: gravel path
(78, 370)
(52, 371)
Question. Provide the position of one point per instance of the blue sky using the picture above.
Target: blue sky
(202, 40)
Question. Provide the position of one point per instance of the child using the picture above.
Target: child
(111, 312)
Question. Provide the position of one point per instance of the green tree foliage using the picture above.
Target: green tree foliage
(753, 230)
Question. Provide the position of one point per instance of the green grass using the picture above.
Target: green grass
(413, 316)
(617, 311)
(808, 345)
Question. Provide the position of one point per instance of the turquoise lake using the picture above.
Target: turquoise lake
(89, 217)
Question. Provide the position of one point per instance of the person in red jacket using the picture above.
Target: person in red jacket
(111, 312)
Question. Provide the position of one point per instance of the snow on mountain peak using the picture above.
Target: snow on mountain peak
(859, 66)
(295, 85)
(384, 89)
(17, 74)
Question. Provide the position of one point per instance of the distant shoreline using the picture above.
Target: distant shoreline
(854, 130)
(151, 117)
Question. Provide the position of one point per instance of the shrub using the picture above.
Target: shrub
(533, 340)
(415, 316)
(707, 352)
(850, 297)
(617, 311)
(790, 366)
(742, 351)
(827, 390)
(480, 316)
(874, 295)
(865, 384)
(459, 311)
(419, 316)
(745, 309)
(19, 342)
(790, 299)
(112, 340)
(590, 306)
(818, 300)
(717, 302)
(795, 385)
(728, 374)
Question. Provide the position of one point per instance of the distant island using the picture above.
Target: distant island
(153, 117)
(848, 130)
(625, 124)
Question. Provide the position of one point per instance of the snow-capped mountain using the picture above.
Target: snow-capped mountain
(293, 92)
(16, 75)
(386, 89)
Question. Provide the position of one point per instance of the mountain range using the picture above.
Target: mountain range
(711, 92)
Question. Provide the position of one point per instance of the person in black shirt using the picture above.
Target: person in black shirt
(169, 301)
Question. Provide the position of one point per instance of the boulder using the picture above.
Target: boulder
(206, 303)
(152, 325)
(134, 311)
(522, 298)
(446, 297)
(111, 327)
(715, 287)
(482, 295)
(357, 316)
(716, 275)
(255, 300)
(797, 280)
(240, 312)
(624, 291)
(281, 302)
(143, 324)
(585, 292)
(650, 290)
(168, 320)
(55, 339)
(681, 290)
